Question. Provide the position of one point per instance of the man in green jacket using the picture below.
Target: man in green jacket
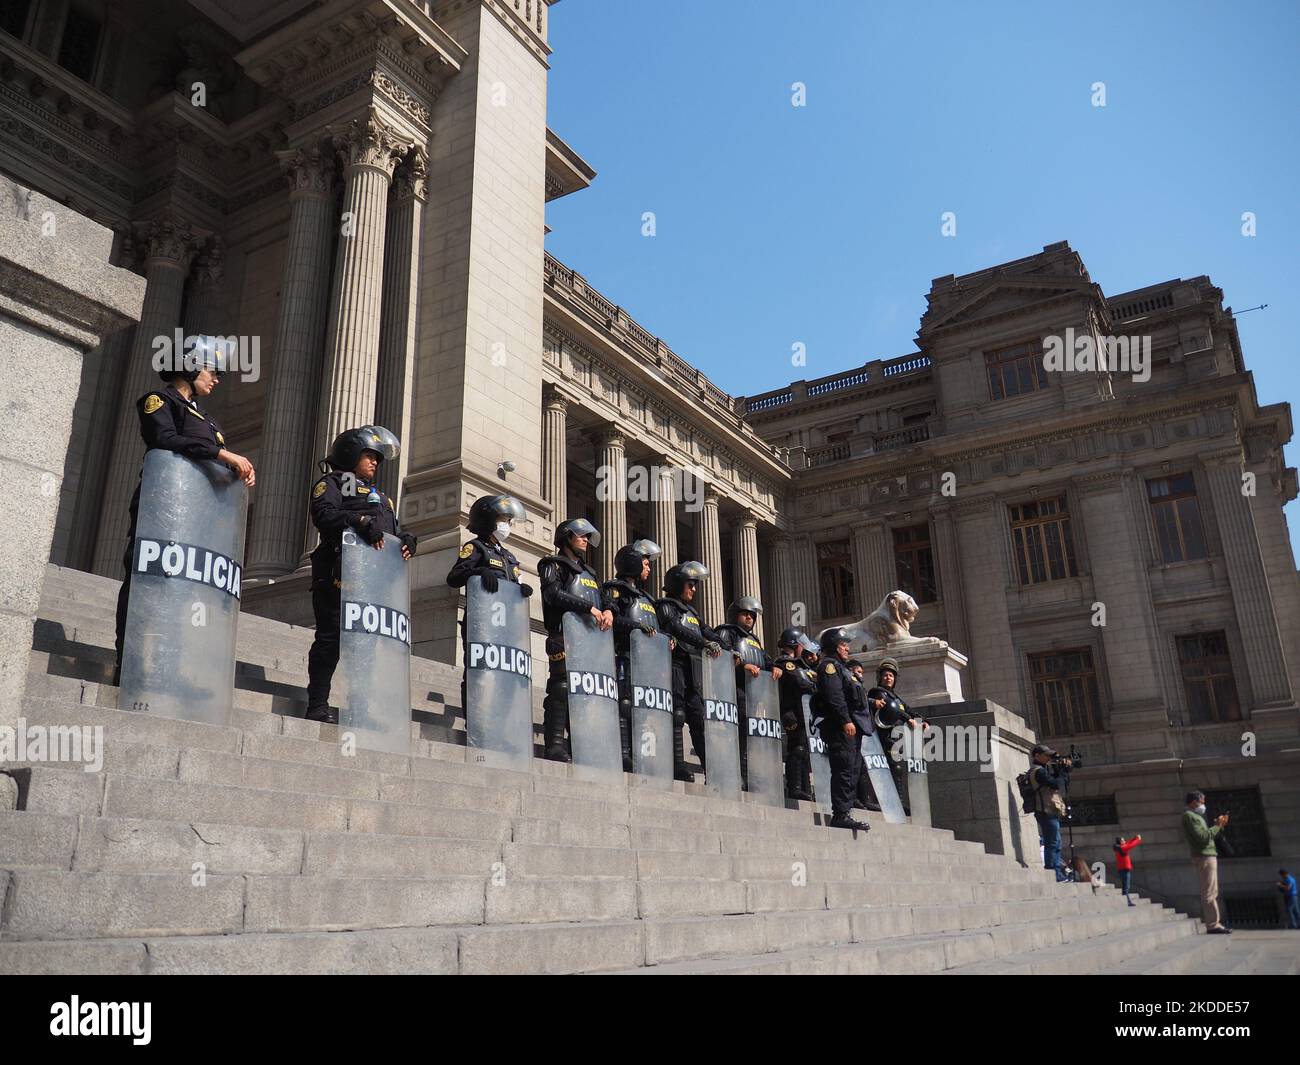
(1205, 857)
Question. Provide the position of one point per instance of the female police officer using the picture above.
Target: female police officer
(345, 498)
(172, 420)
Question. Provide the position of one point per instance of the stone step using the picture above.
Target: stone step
(1185, 955)
(1073, 957)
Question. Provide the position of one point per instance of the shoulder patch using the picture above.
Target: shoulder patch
(789, 666)
(830, 667)
(614, 592)
(152, 402)
(466, 550)
(390, 502)
(319, 490)
(516, 571)
(221, 439)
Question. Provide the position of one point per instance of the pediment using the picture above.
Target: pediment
(1000, 297)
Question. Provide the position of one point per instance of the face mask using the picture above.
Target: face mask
(503, 531)
(1201, 810)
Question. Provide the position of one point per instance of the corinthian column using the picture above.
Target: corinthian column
(397, 326)
(745, 548)
(712, 606)
(611, 492)
(555, 452)
(284, 470)
(171, 248)
(370, 151)
(663, 518)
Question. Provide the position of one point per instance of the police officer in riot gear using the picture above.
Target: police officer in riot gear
(346, 497)
(633, 609)
(680, 619)
(568, 584)
(889, 711)
(841, 727)
(491, 519)
(738, 637)
(171, 419)
(865, 800)
(798, 678)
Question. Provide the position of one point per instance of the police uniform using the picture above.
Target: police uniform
(683, 623)
(633, 611)
(340, 500)
(895, 712)
(741, 641)
(168, 422)
(797, 680)
(569, 585)
(835, 706)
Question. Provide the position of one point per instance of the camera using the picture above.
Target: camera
(1073, 760)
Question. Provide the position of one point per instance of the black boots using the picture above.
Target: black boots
(326, 715)
(680, 769)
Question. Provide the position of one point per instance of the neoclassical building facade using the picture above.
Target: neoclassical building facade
(358, 189)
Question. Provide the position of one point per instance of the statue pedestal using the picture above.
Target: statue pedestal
(929, 671)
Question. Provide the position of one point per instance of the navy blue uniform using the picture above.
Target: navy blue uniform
(835, 705)
(797, 680)
(168, 422)
(683, 624)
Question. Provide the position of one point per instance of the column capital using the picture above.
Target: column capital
(369, 141)
(169, 243)
(410, 180)
(608, 436)
(1230, 457)
(554, 399)
(209, 264)
(712, 497)
(746, 519)
(307, 171)
(1105, 481)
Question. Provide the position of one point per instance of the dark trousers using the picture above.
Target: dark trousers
(124, 595)
(846, 771)
(798, 763)
(690, 704)
(555, 706)
(324, 654)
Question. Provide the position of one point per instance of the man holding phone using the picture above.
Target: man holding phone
(1205, 857)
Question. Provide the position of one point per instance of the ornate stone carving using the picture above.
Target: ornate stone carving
(890, 625)
(171, 242)
(369, 141)
(411, 178)
(309, 171)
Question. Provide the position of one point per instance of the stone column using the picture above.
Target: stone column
(555, 452)
(611, 482)
(1117, 558)
(58, 298)
(664, 519)
(745, 547)
(981, 523)
(806, 598)
(781, 594)
(397, 323)
(874, 575)
(712, 606)
(204, 294)
(284, 471)
(370, 150)
(1251, 597)
(171, 247)
(949, 574)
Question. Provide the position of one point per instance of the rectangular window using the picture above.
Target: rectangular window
(914, 562)
(1207, 678)
(1016, 371)
(1247, 831)
(1065, 692)
(835, 573)
(1177, 516)
(80, 45)
(1041, 541)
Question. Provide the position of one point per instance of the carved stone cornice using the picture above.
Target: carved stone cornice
(369, 141)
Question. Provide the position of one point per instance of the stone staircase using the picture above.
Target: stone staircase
(263, 847)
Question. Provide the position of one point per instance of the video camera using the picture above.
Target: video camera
(1072, 760)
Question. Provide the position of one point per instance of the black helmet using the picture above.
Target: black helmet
(744, 605)
(208, 353)
(488, 510)
(627, 563)
(576, 527)
(348, 446)
(890, 664)
(832, 638)
(675, 579)
(799, 641)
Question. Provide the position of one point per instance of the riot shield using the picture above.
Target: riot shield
(498, 677)
(763, 729)
(651, 691)
(882, 781)
(918, 778)
(593, 699)
(721, 717)
(178, 655)
(818, 756)
(375, 645)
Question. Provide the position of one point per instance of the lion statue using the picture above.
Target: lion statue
(889, 626)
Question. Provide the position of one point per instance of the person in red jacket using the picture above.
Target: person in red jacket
(1124, 864)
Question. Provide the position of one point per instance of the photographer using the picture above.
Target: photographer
(1050, 776)
(1124, 863)
(1205, 857)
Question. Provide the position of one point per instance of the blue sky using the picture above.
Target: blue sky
(821, 224)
